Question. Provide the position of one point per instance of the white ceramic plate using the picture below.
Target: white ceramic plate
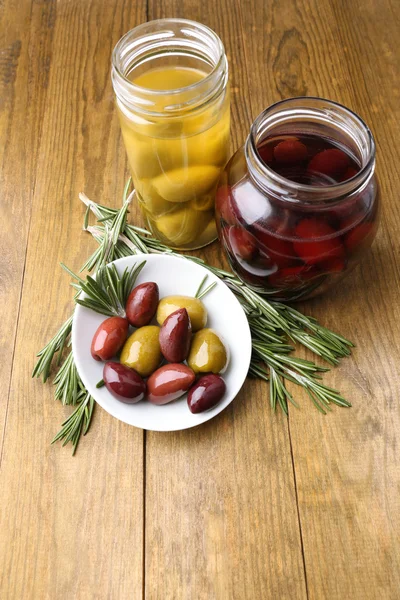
(173, 276)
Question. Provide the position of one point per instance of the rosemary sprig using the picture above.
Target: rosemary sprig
(272, 324)
(47, 354)
(78, 422)
(114, 225)
(108, 293)
(201, 291)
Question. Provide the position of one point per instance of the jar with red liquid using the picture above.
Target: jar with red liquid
(297, 205)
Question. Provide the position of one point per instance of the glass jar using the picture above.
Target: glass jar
(170, 78)
(297, 206)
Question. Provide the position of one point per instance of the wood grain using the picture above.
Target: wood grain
(221, 514)
(17, 162)
(70, 528)
(250, 505)
(346, 468)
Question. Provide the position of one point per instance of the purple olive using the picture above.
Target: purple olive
(124, 383)
(175, 336)
(142, 304)
(109, 338)
(169, 382)
(206, 393)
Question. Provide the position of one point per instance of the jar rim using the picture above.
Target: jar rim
(331, 192)
(143, 26)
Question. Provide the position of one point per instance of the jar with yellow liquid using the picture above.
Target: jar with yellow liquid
(170, 79)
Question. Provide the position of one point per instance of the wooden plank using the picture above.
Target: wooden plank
(346, 464)
(17, 156)
(221, 517)
(70, 528)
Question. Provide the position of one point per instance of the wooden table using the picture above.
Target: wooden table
(250, 506)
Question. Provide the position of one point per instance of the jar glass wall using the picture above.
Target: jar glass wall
(297, 206)
(170, 78)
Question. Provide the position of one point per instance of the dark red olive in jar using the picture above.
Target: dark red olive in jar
(310, 248)
(352, 210)
(333, 265)
(266, 153)
(175, 336)
(290, 276)
(358, 236)
(349, 173)
(169, 383)
(332, 162)
(290, 152)
(109, 338)
(142, 304)
(242, 243)
(280, 251)
(225, 205)
(124, 383)
(206, 393)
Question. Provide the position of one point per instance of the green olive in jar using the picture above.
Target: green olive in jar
(151, 202)
(208, 353)
(204, 203)
(181, 227)
(141, 351)
(181, 185)
(209, 232)
(196, 310)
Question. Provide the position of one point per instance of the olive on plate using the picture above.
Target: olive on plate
(124, 383)
(109, 338)
(206, 393)
(142, 304)
(195, 308)
(141, 351)
(175, 336)
(169, 383)
(208, 353)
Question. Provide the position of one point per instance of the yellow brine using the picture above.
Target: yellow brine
(176, 153)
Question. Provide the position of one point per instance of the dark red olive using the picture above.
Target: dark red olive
(124, 383)
(358, 235)
(175, 336)
(242, 243)
(142, 304)
(266, 153)
(225, 205)
(317, 242)
(350, 172)
(333, 265)
(206, 393)
(279, 250)
(290, 151)
(169, 382)
(109, 338)
(331, 162)
(292, 276)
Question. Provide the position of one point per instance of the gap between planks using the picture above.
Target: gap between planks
(297, 506)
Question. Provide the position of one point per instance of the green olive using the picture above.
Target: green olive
(209, 233)
(182, 226)
(142, 350)
(208, 353)
(150, 201)
(195, 308)
(205, 202)
(181, 185)
(148, 156)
